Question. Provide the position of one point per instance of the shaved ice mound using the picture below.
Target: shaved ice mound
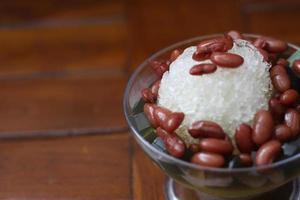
(229, 96)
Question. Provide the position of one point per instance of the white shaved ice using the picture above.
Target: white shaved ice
(228, 97)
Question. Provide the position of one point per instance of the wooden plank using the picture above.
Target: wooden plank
(89, 168)
(273, 2)
(16, 12)
(62, 103)
(148, 179)
(282, 24)
(155, 25)
(50, 49)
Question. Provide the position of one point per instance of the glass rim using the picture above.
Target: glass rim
(168, 157)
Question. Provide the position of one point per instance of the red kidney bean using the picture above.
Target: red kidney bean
(220, 44)
(273, 58)
(277, 95)
(194, 148)
(206, 129)
(228, 42)
(292, 120)
(235, 35)
(160, 67)
(161, 115)
(149, 112)
(147, 96)
(264, 54)
(228, 60)
(161, 133)
(268, 152)
(260, 43)
(276, 107)
(211, 45)
(246, 159)
(280, 78)
(243, 138)
(208, 159)
(203, 69)
(173, 121)
(155, 87)
(270, 44)
(262, 127)
(296, 67)
(174, 55)
(168, 120)
(206, 47)
(275, 45)
(218, 146)
(298, 108)
(277, 70)
(174, 145)
(199, 56)
(283, 133)
(283, 62)
(289, 97)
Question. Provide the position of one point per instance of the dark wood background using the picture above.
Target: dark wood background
(63, 69)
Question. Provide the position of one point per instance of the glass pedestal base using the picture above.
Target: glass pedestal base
(175, 191)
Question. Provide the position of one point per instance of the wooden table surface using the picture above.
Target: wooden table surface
(63, 70)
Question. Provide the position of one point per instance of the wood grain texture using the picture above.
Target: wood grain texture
(148, 179)
(89, 168)
(281, 23)
(154, 25)
(61, 48)
(277, 18)
(18, 11)
(62, 67)
(62, 103)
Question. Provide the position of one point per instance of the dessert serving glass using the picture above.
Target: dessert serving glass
(189, 181)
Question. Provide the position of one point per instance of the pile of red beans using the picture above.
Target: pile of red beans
(271, 128)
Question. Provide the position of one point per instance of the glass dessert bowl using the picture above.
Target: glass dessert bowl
(217, 183)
